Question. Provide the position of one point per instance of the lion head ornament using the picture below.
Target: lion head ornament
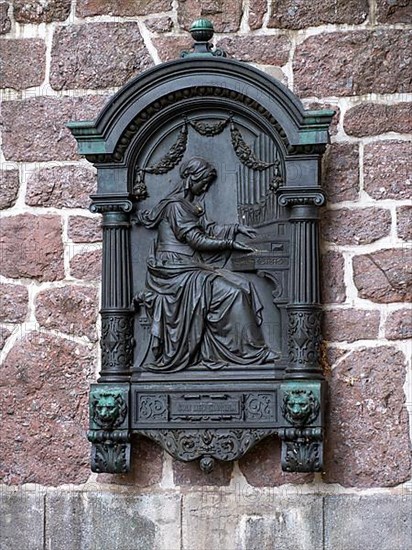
(300, 407)
(108, 410)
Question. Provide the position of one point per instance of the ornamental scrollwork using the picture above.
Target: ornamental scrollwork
(110, 204)
(152, 408)
(220, 444)
(259, 406)
(300, 407)
(301, 198)
(304, 335)
(117, 341)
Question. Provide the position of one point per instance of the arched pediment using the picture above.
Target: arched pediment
(170, 84)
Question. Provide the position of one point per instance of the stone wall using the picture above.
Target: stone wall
(60, 60)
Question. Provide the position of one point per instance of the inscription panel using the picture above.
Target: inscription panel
(178, 408)
(205, 407)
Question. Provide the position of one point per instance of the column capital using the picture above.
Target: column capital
(111, 203)
(299, 196)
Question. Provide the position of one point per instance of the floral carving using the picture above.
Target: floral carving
(110, 458)
(116, 342)
(245, 154)
(209, 130)
(302, 457)
(172, 157)
(304, 337)
(222, 444)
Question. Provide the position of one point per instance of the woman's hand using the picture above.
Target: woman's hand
(242, 247)
(247, 231)
(139, 217)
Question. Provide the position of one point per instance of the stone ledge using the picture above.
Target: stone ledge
(249, 519)
(21, 520)
(368, 522)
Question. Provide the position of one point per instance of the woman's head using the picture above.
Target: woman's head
(197, 175)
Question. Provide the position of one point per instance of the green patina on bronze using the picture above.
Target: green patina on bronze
(167, 372)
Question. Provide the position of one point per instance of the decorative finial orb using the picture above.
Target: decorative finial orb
(202, 30)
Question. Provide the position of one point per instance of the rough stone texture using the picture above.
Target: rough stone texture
(261, 466)
(333, 355)
(112, 521)
(41, 11)
(146, 465)
(5, 23)
(87, 265)
(393, 11)
(270, 50)
(276, 72)
(84, 230)
(399, 325)
(69, 309)
(371, 119)
(44, 383)
(97, 55)
(61, 186)
(299, 14)
(367, 430)
(13, 303)
(159, 24)
(332, 278)
(34, 129)
(340, 172)
(225, 14)
(170, 47)
(384, 276)
(123, 8)
(388, 169)
(257, 11)
(4, 334)
(21, 520)
(355, 226)
(350, 325)
(369, 522)
(31, 246)
(251, 519)
(353, 63)
(404, 222)
(316, 105)
(9, 185)
(22, 63)
(189, 474)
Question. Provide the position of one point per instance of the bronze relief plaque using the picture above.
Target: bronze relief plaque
(208, 184)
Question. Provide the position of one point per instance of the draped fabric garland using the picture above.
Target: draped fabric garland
(175, 154)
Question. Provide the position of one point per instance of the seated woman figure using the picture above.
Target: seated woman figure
(200, 313)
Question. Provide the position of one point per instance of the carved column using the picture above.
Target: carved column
(304, 311)
(109, 404)
(117, 318)
(302, 394)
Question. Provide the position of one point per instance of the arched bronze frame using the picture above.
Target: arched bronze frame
(234, 411)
